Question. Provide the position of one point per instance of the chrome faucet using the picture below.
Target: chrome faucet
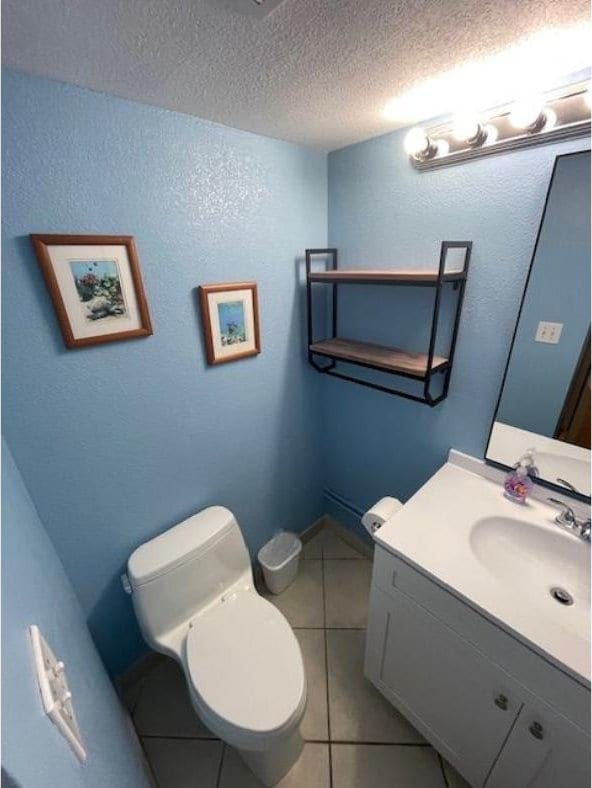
(567, 519)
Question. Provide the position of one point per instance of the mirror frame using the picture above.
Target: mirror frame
(542, 482)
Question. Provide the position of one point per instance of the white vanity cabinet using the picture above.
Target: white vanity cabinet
(544, 750)
(461, 681)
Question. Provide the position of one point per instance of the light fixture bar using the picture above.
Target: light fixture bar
(559, 115)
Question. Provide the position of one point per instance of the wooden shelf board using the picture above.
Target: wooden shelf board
(387, 358)
(370, 275)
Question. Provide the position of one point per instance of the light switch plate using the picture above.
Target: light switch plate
(548, 332)
(56, 697)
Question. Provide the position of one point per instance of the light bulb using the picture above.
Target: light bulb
(417, 143)
(491, 133)
(442, 147)
(467, 129)
(588, 99)
(550, 119)
(528, 114)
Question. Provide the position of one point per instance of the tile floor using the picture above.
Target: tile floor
(354, 737)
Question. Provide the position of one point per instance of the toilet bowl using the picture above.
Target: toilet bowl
(194, 597)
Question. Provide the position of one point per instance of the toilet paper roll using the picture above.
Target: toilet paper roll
(380, 513)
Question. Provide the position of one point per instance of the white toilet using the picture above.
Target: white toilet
(194, 597)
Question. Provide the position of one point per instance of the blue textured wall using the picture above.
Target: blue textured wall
(35, 590)
(120, 441)
(539, 374)
(382, 212)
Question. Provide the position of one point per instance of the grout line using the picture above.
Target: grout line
(345, 629)
(349, 629)
(147, 762)
(140, 685)
(336, 558)
(443, 770)
(370, 743)
(327, 676)
(181, 738)
(223, 753)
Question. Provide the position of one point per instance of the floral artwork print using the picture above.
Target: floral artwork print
(99, 288)
(231, 315)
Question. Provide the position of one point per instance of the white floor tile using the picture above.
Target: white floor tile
(335, 547)
(312, 643)
(184, 763)
(358, 712)
(313, 549)
(129, 687)
(310, 771)
(385, 766)
(454, 778)
(327, 544)
(163, 707)
(347, 590)
(302, 602)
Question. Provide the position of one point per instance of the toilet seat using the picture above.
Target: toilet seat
(245, 670)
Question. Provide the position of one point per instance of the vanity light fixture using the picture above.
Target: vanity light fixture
(468, 129)
(557, 115)
(529, 114)
(491, 134)
(422, 147)
(532, 115)
(418, 145)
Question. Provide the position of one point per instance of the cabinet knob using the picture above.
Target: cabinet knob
(537, 730)
(501, 702)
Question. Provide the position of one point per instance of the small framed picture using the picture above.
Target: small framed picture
(230, 317)
(96, 287)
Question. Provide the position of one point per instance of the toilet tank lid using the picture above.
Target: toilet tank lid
(178, 544)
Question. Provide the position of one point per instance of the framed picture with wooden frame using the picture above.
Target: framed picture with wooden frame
(230, 319)
(96, 287)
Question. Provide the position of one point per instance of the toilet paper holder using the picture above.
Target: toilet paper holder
(378, 514)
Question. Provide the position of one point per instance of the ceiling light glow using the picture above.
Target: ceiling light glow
(532, 120)
(550, 119)
(417, 143)
(491, 134)
(466, 128)
(442, 147)
(529, 114)
(535, 64)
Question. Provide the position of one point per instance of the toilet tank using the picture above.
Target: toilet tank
(178, 573)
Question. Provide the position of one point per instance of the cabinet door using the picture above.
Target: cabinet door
(544, 750)
(459, 700)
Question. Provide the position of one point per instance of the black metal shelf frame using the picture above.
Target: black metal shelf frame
(458, 284)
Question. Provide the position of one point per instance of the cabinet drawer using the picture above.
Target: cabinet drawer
(569, 697)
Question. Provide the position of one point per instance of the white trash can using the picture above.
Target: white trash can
(279, 560)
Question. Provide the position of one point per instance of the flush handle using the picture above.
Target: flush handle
(537, 730)
(501, 702)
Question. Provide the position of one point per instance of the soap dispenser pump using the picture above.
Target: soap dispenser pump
(519, 481)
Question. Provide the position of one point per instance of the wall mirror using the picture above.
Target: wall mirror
(544, 403)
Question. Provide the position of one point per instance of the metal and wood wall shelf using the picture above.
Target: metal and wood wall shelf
(419, 367)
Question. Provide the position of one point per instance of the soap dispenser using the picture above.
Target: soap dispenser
(519, 481)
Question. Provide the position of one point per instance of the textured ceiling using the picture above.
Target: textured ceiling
(313, 71)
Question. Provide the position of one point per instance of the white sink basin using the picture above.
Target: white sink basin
(531, 560)
(500, 557)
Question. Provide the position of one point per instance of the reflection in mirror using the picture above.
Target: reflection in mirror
(545, 398)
